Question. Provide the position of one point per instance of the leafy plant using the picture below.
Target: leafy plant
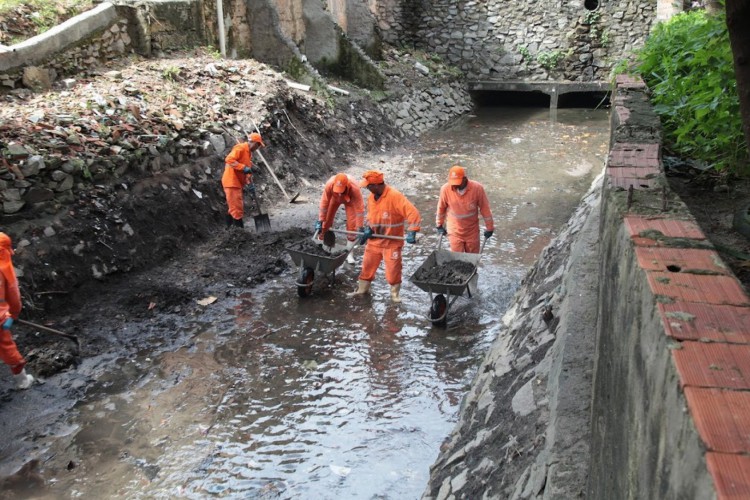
(687, 64)
(524, 51)
(171, 73)
(549, 59)
(592, 17)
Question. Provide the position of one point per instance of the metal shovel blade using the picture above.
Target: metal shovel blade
(329, 238)
(262, 223)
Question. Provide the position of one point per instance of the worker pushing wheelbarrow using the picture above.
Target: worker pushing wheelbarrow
(446, 276)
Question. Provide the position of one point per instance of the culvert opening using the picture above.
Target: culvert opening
(490, 98)
(591, 4)
(583, 100)
(673, 268)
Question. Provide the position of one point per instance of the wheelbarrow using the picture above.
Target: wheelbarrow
(310, 263)
(443, 295)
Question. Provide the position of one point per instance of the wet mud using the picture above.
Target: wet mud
(454, 272)
(310, 247)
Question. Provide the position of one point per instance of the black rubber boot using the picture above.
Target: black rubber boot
(229, 220)
(239, 222)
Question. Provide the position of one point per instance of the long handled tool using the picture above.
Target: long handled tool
(262, 222)
(330, 236)
(52, 330)
(291, 199)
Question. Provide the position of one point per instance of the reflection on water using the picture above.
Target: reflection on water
(333, 396)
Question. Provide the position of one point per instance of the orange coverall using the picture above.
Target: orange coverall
(352, 201)
(10, 306)
(462, 211)
(234, 179)
(387, 215)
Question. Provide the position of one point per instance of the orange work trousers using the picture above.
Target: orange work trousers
(371, 262)
(235, 202)
(9, 353)
(464, 245)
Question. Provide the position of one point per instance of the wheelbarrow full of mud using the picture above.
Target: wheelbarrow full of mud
(446, 276)
(312, 258)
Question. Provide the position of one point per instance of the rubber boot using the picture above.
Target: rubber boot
(23, 380)
(229, 220)
(239, 222)
(363, 287)
(350, 259)
(395, 290)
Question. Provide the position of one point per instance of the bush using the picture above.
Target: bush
(687, 64)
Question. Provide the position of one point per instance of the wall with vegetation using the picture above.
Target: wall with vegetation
(543, 40)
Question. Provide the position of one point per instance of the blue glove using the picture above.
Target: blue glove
(366, 235)
(319, 226)
(487, 234)
(251, 188)
(411, 237)
(8, 323)
(246, 170)
(441, 230)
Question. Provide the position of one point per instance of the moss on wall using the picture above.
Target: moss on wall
(353, 66)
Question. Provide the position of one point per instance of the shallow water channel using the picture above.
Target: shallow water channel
(330, 396)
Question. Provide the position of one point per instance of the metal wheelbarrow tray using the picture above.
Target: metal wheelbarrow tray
(310, 263)
(447, 293)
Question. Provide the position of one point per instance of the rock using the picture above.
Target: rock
(49, 231)
(38, 195)
(32, 166)
(11, 207)
(37, 79)
(422, 68)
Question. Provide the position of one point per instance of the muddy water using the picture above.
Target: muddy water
(331, 396)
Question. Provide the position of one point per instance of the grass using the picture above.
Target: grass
(38, 16)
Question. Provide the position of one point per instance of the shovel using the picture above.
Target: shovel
(52, 330)
(291, 199)
(262, 222)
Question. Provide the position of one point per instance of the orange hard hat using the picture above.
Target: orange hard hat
(456, 175)
(255, 137)
(372, 177)
(340, 183)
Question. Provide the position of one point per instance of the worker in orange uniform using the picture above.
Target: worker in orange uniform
(238, 168)
(341, 190)
(10, 307)
(387, 213)
(461, 201)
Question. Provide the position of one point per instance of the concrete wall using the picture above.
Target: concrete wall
(669, 387)
(520, 40)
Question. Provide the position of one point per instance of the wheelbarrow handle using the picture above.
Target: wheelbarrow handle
(374, 235)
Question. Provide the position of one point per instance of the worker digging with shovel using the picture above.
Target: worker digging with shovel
(387, 213)
(341, 190)
(238, 169)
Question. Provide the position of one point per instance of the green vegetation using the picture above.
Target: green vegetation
(687, 64)
(549, 59)
(37, 16)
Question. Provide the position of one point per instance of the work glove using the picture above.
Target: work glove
(366, 235)
(487, 234)
(251, 188)
(411, 237)
(7, 324)
(441, 230)
(246, 170)
(319, 226)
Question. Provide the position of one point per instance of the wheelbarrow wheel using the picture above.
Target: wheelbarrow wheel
(438, 310)
(306, 277)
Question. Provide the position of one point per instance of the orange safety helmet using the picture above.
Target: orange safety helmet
(255, 137)
(456, 175)
(340, 183)
(372, 177)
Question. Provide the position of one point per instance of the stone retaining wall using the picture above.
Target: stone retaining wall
(425, 109)
(72, 48)
(520, 40)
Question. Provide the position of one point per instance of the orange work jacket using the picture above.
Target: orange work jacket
(330, 202)
(462, 210)
(10, 296)
(233, 176)
(388, 215)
